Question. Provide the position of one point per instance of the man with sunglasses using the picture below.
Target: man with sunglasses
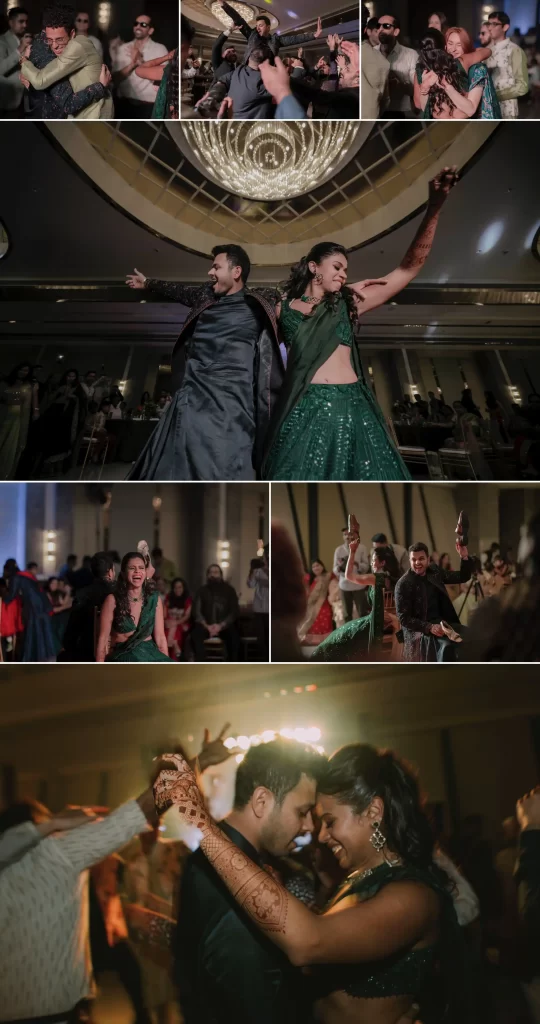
(402, 60)
(508, 66)
(137, 95)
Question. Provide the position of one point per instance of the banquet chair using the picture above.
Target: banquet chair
(91, 444)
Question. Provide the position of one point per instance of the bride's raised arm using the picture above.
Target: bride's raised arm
(375, 293)
(393, 920)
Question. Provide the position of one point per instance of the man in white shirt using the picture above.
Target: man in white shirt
(380, 540)
(82, 27)
(403, 61)
(508, 66)
(11, 48)
(45, 964)
(137, 95)
(352, 594)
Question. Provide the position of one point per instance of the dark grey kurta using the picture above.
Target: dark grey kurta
(208, 431)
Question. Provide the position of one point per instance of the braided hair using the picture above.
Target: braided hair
(300, 276)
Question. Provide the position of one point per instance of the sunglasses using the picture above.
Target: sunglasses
(142, 24)
(386, 24)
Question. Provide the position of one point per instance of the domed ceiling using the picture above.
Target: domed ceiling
(202, 183)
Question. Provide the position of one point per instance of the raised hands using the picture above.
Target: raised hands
(176, 786)
(319, 29)
(442, 184)
(136, 280)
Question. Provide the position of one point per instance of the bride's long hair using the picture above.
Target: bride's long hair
(122, 608)
(300, 276)
(433, 57)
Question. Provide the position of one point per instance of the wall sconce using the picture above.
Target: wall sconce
(49, 546)
(515, 394)
(157, 502)
(224, 553)
(104, 16)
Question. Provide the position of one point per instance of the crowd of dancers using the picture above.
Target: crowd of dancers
(134, 609)
(72, 70)
(446, 77)
(407, 605)
(260, 85)
(332, 878)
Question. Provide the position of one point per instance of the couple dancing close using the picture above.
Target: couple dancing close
(238, 412)
(385, 945)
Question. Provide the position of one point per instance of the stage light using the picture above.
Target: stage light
(243, 742)
(283, 693)
(269, 159)
(311, 688)
(157, 502)
(51, 535)
(230, 742)
(298, 689)
(268, 734)
(239, 758)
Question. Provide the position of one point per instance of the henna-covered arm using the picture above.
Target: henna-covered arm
(395, 919)
(381, 291)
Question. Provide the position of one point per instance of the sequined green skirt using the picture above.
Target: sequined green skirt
(336, 432)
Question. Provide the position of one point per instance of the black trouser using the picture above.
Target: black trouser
(262, 624)
(358, 598)
(125, 109)
(230, 637)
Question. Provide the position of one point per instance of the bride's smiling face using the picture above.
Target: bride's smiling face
(454, 46)
(345, 832)
(333, 271)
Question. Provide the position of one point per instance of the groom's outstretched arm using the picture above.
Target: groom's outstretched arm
(376, 293)
(187, 294)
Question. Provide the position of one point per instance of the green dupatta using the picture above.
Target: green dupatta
(317, 337)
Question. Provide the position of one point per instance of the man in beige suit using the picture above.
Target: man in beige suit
(76, 59)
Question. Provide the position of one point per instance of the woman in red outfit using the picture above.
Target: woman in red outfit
(177, 613)
(318, 621)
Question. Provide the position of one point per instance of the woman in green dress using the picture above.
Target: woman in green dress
(18, 404)
(327, 424)
(131, 622)
(360, 637)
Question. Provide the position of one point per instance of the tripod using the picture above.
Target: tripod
(478, 592)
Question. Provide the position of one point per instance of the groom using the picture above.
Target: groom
(229, 367)
(226, 969)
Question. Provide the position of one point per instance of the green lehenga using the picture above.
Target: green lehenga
(326, 431)
(137, 648)
(359, 637)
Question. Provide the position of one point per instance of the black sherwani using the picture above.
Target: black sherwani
(411, 608)
(227, 971)
(215, 427)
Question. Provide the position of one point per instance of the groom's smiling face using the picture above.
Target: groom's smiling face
(289, 819)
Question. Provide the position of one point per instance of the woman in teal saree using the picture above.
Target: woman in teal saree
(454, 84)
(131, 623)
(327, 424)
(361, 637)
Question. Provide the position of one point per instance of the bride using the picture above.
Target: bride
(389, 939)
(327, 424)
(131, 622)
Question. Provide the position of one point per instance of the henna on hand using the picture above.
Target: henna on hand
(176, 785)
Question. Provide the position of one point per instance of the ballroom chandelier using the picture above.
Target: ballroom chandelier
(270, 159)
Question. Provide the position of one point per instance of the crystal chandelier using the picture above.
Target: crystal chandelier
(270, 159)
(247, 12)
